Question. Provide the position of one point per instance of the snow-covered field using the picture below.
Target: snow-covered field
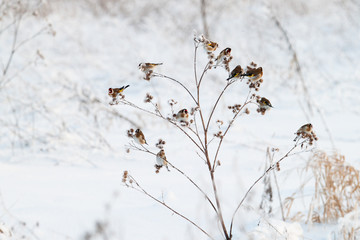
(63, 147)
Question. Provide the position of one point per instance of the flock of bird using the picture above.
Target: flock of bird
(253, 75)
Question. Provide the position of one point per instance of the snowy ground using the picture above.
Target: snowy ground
(63, 147)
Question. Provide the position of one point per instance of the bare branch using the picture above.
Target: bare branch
(266, 172)
(168, 207)
(228, 128)
(178, 82)
(177, 169)
(216, 103)
(158, 114)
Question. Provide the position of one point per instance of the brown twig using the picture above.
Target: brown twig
(216, 103)
(257, 180)
(168, 207)
(227, 129)
(177, 169)
(178, 82)
(271, 159)
(123, 101)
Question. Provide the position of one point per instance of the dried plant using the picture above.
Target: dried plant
(337, 187)
(197, 128)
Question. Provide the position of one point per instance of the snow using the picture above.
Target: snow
(63, 147)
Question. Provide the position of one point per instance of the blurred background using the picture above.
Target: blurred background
(58, 59)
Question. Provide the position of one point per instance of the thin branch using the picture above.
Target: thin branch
(168, 207)
(202, 77)
(177, 169)
(271, 159)
(206, 153)
(252, 186)
(125, 102)
(195, 71)
(220, 216)
(206, 196)
(196, 133)
(178, 82)
(13, 47)
(216, 103)
(227, 129)
(31, 37)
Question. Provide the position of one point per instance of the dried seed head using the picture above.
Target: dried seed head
(148, 98)
(172, 102)
(125, 176)
(160, 144)
(247, 111)
(130, 133)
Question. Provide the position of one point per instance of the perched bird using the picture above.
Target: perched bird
(237, 72)
(146, 67)
(264, 103)
(304, 130)
(182, 115)
(210, 46)
(161, 160)
(114, 92)
(307, 129)
(139, 137)
(254, 74)
(222, 55)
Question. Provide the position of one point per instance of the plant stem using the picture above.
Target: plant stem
(170, 208)
(252, 186)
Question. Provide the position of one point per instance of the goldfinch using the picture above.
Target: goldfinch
(222, 55)
(307, 129)
(254, 74)
(139, 137)
(237, 72)
(264, 103)
(146, 67)
(114, 92)
(182, 115)
(161, 160)
(210, 46)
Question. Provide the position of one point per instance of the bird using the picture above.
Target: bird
(161, 160)
(237, 72)
(222, 55)
(182, 115)
(114, 92)
(146, 67)
(304, 130)
(139, 137)
(210, 46)
(254, 74)
(264, 103)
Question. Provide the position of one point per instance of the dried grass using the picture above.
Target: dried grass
(336, 188)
